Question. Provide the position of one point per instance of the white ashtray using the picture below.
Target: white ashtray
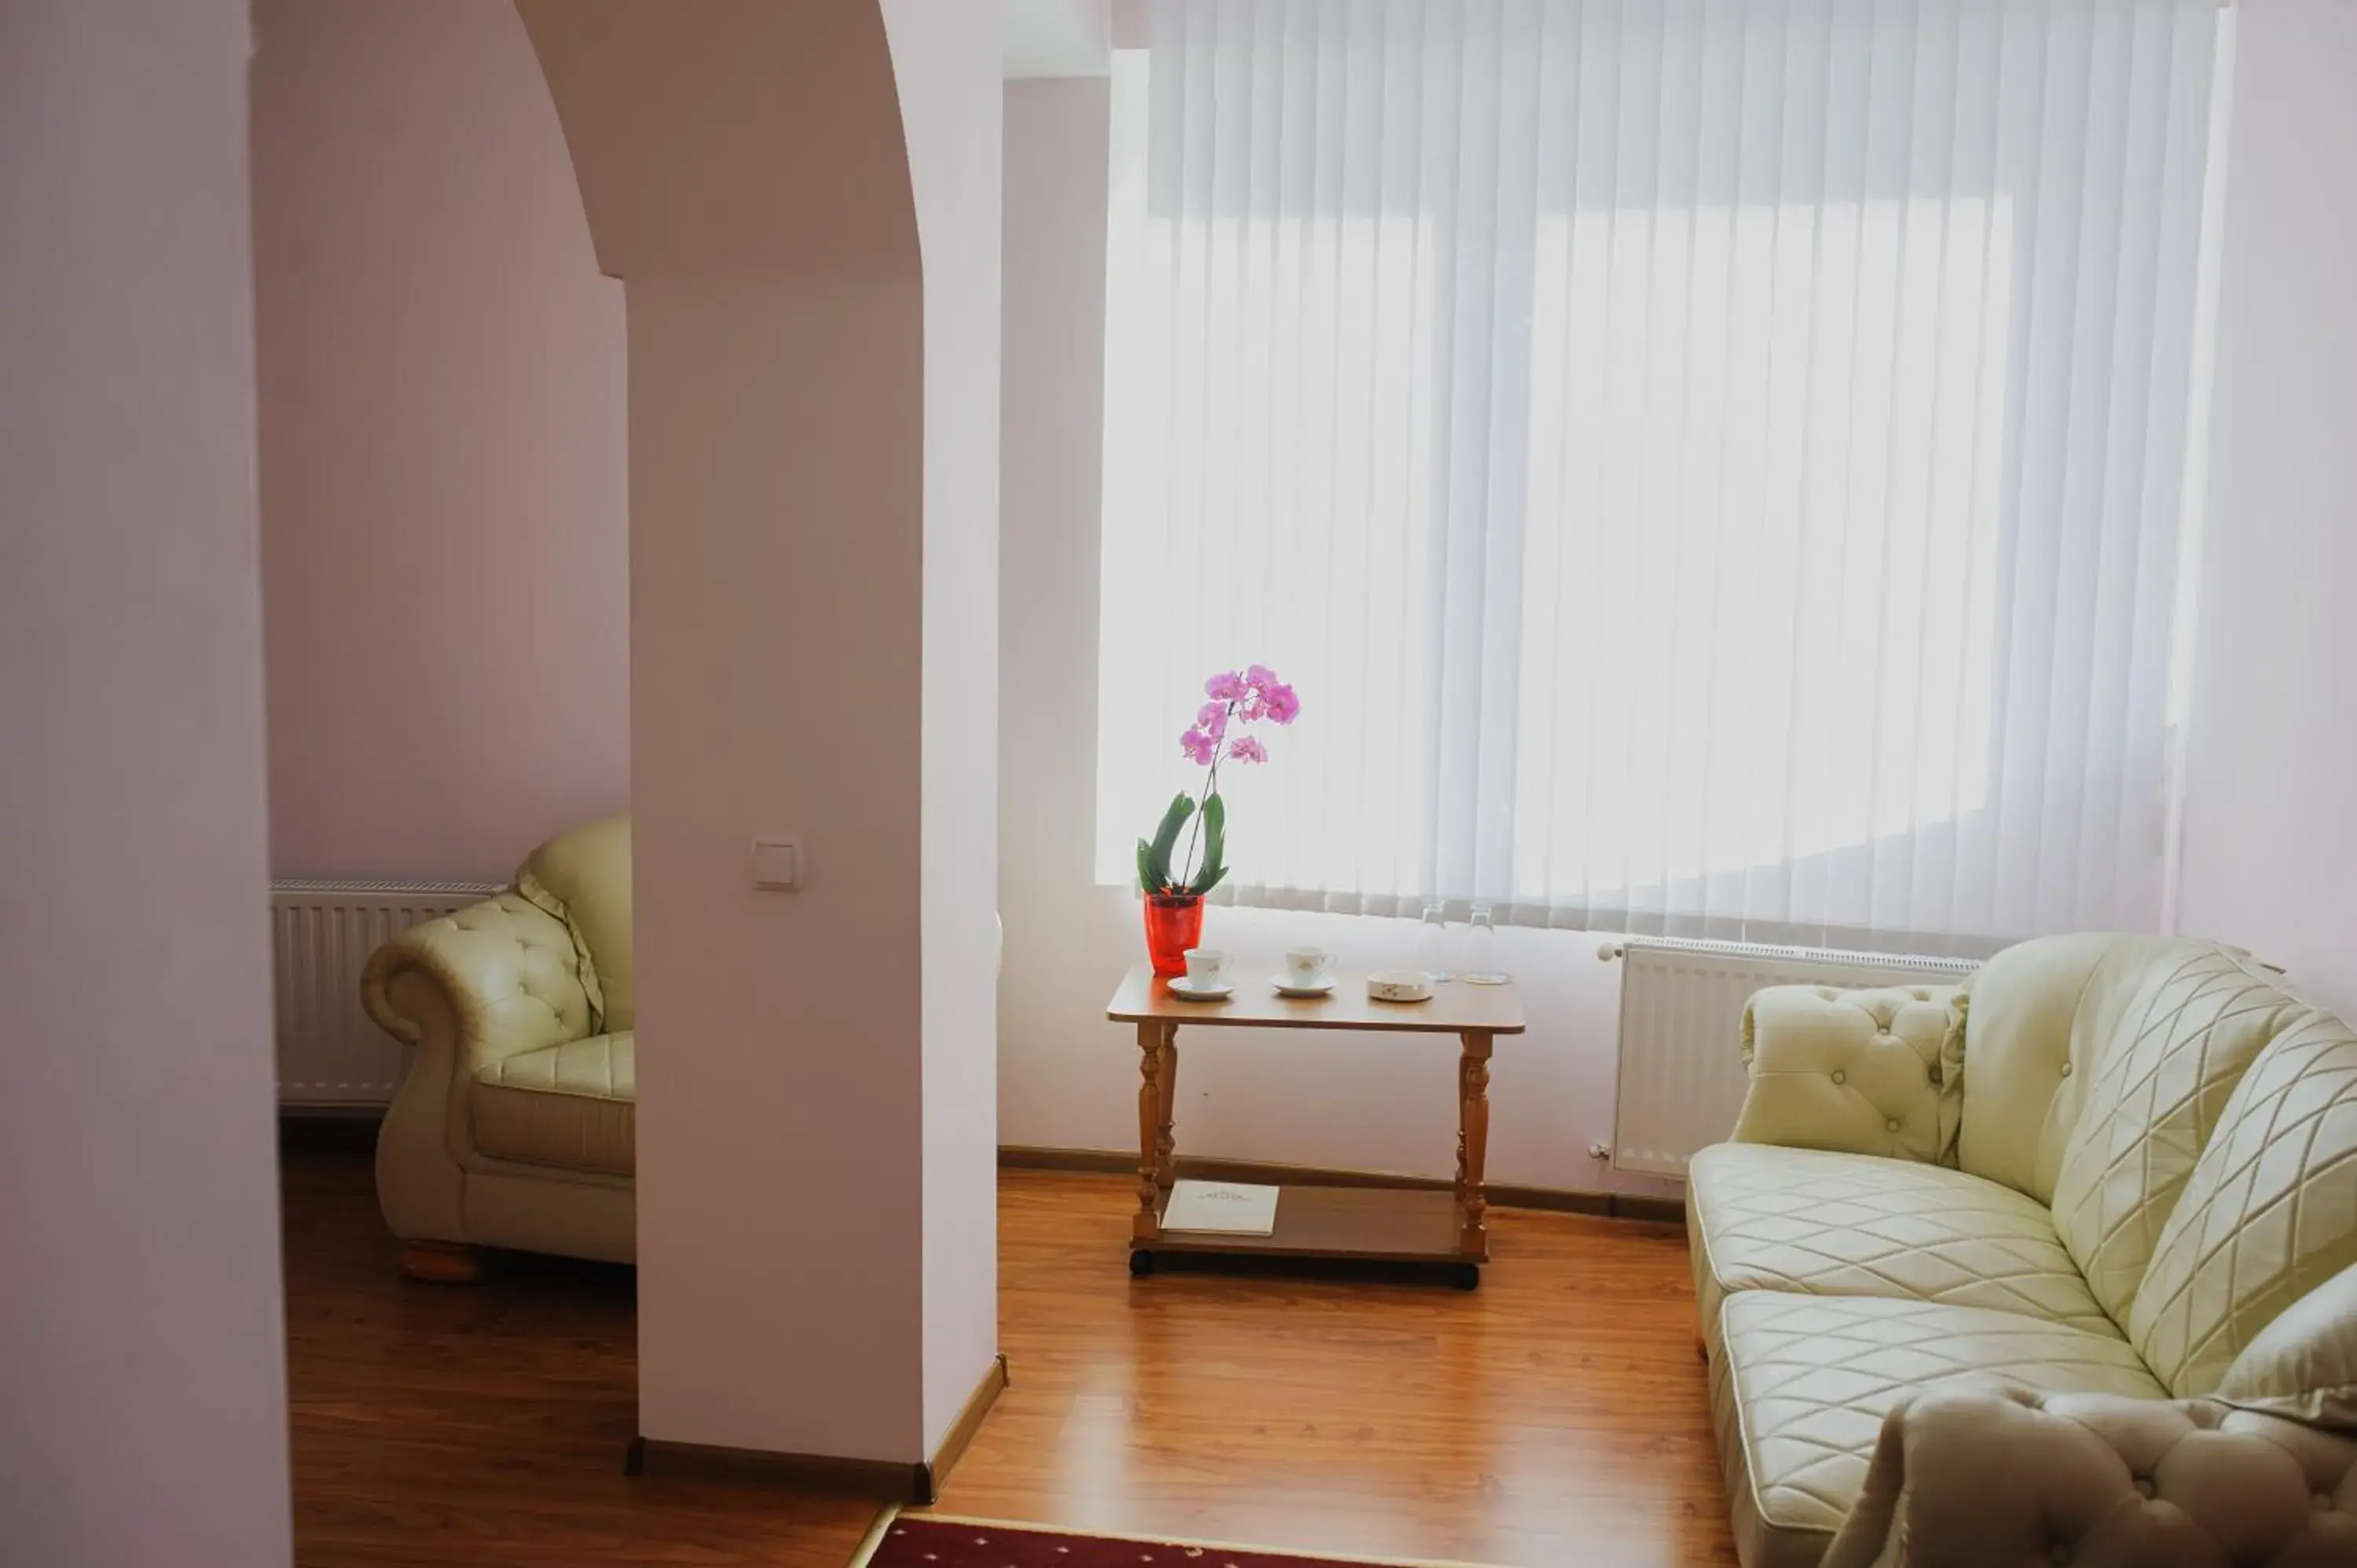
(1399, 985)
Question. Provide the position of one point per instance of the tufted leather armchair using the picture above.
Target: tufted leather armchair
(2058, 1265)
(516, 1124)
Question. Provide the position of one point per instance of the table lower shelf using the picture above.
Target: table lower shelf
(1377, 1224)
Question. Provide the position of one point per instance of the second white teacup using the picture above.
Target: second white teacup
(1307, 967)
(1205, 966)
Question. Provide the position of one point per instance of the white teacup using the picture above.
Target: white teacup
(1205, 966)
(1307, 966)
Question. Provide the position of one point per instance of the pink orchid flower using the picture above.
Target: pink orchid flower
(1199, 747)
(1247, 749)
(1212, 719)
(1260, 677)
(1280, 703)
(1226, 688)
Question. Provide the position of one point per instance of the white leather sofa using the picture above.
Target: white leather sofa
(517, 1125)
(2052, 1267)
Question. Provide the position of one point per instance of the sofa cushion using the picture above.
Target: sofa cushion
(1800, 1386)
(1763, 1217)
(2027, 1054)
(572, 1106)
(582, 877)
(2017, 1011)
(2164, 1056)
(2269, 1213)
(2303, 1366)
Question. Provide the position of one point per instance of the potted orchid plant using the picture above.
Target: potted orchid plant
(1174, 881)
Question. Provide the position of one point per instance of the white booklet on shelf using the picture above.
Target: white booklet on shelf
(1224, 1207)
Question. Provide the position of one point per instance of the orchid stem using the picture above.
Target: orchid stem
(1210, 783)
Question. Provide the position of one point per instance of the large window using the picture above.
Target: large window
(1714, 468)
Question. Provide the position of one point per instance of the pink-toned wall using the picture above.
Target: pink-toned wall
(143, 1415)
(444, 517)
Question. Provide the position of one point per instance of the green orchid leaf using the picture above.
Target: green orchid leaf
(1215, 844)
(1153, 859)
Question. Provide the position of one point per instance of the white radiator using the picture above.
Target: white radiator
(1681, 1076)
(330, 1053)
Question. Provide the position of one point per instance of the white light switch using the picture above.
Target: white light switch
(778, 862)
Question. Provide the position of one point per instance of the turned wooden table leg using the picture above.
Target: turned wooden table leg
(1166, 1136)
(1472, 1144)
(1152, 1044)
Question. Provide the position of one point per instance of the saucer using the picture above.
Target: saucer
(1399, 985)
(1186, 990)
(1286, 987)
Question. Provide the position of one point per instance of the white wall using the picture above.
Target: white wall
(776, 507)
(445, 523)
(1066, 1078)
(946, 58)
(2270, 843)
(812, 462)
(143, 1415)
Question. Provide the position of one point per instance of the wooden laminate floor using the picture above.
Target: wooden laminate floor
(1556, 1417)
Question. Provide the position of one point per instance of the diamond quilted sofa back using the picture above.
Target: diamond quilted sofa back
(2169, 1034)
(2097, 1069)
(2041, 1021)
(2269, 1212)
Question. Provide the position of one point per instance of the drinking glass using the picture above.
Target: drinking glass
(1481, 965)
(1432, 941)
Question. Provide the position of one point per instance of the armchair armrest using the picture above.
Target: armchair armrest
(494, 980)
(1962, 1476)
(506, 973)
(1865, 1072)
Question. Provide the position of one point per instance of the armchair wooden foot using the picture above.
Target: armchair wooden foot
(443, 1262)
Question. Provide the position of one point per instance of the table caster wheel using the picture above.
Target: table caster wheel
(1141, 1264)
(1466, 1276)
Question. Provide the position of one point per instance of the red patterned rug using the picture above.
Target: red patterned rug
(936, 1540)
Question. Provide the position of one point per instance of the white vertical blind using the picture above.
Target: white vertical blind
(1711, 467)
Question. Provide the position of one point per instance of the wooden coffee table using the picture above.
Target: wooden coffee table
(1385, 1223)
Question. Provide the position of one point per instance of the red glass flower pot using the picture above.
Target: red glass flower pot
(1174, 922)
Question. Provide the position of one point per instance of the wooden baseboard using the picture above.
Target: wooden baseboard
(356, 1131)
(886, 1480)
(1653, 1211)
(961, 1432)
(1555, 1200)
